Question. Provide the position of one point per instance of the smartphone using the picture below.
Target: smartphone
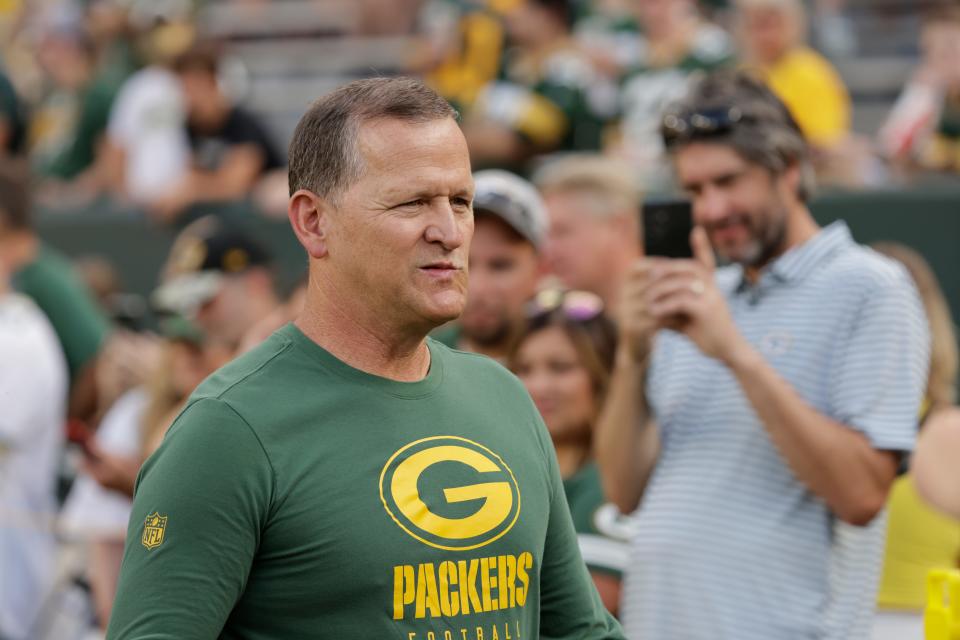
(666, 228)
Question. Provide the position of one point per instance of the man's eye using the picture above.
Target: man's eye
(413, 203)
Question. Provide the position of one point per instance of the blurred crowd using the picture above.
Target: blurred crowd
(138, 103)
(562, 103)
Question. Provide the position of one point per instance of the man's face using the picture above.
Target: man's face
(768, 32)
(200, 94)
(504, 269)
(400, 235)
(578, 240)
(740, 205)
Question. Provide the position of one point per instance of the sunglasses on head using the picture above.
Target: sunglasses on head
(579, 306)
(678, 127)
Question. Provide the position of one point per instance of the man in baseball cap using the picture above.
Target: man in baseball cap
(220, 279)
(505, 263)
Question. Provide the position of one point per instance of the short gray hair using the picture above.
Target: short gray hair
(765, 134)
(324, 156)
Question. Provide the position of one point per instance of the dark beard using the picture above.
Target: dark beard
(773, 244)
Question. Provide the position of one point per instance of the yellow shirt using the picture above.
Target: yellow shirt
(815, 94)
(918, 539)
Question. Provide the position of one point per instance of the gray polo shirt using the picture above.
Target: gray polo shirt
(729, 545)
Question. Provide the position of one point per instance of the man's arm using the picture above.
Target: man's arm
(837, 463)
(936, 462)
(876, 383)
(233, 179)
(626, 441)
(570, 607)
(200, 505)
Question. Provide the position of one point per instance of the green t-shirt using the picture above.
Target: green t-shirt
(603, 533)
(297, 497)
(54, 286)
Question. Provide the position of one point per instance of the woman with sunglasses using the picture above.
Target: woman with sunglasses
(564, 356)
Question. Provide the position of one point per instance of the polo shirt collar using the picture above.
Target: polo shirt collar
(797, 263)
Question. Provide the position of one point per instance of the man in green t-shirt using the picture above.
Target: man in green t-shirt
(349, 478)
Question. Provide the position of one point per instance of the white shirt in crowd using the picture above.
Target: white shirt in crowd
(33, 396)
(147, 122)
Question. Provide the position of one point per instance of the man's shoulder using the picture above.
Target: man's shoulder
(860, 266)
(236, 379)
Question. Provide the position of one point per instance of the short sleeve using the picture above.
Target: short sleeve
(879, 374)
(200, 504)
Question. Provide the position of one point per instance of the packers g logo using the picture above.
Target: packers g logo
(450, 493)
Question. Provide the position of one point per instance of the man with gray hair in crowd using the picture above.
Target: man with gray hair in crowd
(594, 207)
(348, 477)
(758, 412)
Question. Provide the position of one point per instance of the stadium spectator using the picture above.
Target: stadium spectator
(934, 467)
(594, 210)
(771, 36)
(231, 150)
(219, 278)
(548, 98)
(33, 394)
(146, 147)
(564, 357)
(510, 226)
(918, 538)
(67, 129)
(780, 393)
(923, 128)
(676, 43)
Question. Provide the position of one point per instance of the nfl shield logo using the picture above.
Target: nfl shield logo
(153, 528)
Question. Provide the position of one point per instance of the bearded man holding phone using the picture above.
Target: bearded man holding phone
(758, 412)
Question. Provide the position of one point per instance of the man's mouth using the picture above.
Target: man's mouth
(440, 267)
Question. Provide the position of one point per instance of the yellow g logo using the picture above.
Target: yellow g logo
(450, 493)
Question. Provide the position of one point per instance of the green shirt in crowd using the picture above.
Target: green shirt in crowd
(297, 497)
(603, 533)
(69, 306)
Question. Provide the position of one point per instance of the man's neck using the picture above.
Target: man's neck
(356, 337)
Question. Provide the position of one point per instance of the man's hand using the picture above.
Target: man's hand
(682, 295)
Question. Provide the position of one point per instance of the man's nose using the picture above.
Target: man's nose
(447, 226)
(711, 205)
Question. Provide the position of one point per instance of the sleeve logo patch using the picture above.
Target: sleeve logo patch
(153, 530)
(450, 493)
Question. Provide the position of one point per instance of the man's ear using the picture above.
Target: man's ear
(792, 177)
(309, 216)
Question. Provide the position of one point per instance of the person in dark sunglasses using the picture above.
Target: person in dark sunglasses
(759, 410)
